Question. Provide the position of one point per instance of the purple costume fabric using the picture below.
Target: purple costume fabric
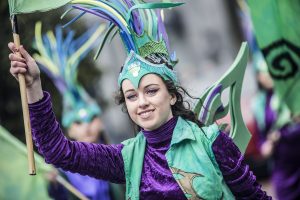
(105, 161)
(92, 188)
(270, 115)
(157, 179)
(95, 160)
(286, 174)
(239, 178)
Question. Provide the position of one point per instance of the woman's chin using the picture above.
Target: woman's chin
(150, 126)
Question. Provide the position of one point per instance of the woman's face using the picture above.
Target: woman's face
(86, 132)
(149, 106)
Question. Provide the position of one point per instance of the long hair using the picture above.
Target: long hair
(181, 107)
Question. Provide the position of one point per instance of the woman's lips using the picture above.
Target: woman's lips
(146, 114)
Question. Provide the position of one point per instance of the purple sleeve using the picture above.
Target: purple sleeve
(96, 160)
(239, 178)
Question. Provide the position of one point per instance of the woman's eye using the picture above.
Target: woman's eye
(131, 97)
(77, 122)
(151, 91)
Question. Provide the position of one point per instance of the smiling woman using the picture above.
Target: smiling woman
(162, 93)
(149, 106)
(173, 156)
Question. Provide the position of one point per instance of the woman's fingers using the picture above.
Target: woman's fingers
(21, 62)
(15, 71)
(12, 47)
(25, 54)
(17, 67)
(14, 57)
(17, 61)
(18, 70)
(16, 64)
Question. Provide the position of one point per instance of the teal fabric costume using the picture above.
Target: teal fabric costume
(200, 169)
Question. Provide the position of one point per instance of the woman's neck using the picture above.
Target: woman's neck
(162, 134)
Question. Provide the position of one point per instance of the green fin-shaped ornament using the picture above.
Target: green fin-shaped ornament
(210, 107)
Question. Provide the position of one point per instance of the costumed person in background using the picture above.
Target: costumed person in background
(174, 155)
(59, 57)
(264, 115)
(276, 27)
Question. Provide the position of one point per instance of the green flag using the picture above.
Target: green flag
(29, 6)
(277, 29)
(14, 182)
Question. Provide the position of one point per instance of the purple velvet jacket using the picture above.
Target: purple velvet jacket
(105, 161)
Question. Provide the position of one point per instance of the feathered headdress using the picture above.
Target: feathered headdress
(142, 31)
(59, 58)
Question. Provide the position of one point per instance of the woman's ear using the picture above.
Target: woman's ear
(173, 99)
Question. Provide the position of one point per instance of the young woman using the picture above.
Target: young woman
(173, 156)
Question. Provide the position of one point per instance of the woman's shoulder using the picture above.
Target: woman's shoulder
(208, 132)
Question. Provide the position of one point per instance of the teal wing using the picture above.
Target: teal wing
(210, 107)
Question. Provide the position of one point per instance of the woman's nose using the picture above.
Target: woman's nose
(143, 101)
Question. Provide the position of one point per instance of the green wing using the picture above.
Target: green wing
(210, 107)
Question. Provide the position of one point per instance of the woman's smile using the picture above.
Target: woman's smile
(149, 105)
(146, 114)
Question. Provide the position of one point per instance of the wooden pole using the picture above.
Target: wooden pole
(22, 85)
(71, 188)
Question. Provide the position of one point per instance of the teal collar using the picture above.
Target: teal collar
(183, 130)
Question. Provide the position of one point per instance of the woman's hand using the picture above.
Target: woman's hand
(268, 146)
(26, 65)
(52, 175)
